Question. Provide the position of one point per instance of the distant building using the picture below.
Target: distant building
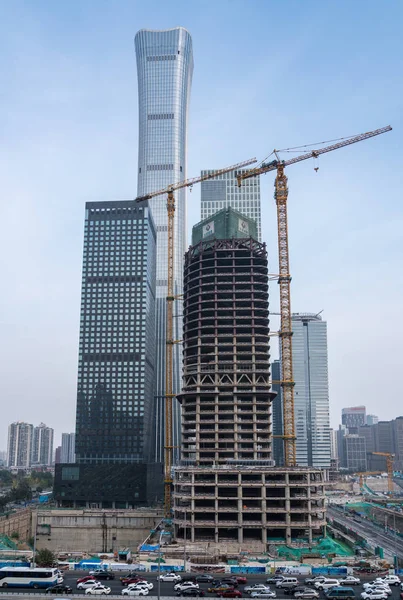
(223, 192)
(58, 453)
(340, 434)
(19, 446)
(333, 444)
(368, 431)
(277, 415)
(355, 454)
(68, 452)
(311, 390)
(42, 445)
(372, 419)
(353, 418)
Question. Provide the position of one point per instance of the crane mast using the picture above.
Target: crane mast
(284, 279)
(170, 342)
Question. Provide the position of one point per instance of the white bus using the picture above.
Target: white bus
(26, 577)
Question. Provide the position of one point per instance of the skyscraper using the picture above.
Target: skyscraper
(277, 414)
(223, 192)
(372, 419)
(19, 446)
(311, 391)
(42, 445)
(164, 71)
(353, 417)
(114, 421)
(68, 449)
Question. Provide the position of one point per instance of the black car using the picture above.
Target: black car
(191, 592)
(291, 590)
(230, 580)
(59, 589)
(204, 578)
(104, 575)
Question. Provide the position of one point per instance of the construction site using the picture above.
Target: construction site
(227, 487)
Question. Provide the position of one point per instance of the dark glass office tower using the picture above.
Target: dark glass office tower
(116, 359)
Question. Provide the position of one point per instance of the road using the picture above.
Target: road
(166, 588)
(374, 535)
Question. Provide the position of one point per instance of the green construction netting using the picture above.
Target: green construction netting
(6, 543)
(325, 546)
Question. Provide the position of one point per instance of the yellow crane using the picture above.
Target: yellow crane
(284, 279)
(389, 468)
(169, 395)
(363, 474)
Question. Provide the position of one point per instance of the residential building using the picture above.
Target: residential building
(164, 71)
(223, 192)
(114, 421)
(58, 455)
(68, 451)
(42, 445)
(277, 414)
(311, 390)
(353, 418)
(19, 446)
(355, 453)
(227, 487)
(372, 419)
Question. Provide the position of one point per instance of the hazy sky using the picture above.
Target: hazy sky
(267, 74)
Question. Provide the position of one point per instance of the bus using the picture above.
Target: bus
(30, 578)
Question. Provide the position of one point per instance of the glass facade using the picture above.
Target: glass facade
(117, 335)
(311, 391)
(223, 192)
(164, 71)
(277, 415)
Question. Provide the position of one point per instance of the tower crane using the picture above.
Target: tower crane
(284, 279)
(389, 468)
(169, 395)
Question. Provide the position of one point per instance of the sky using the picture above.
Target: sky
(267, 75)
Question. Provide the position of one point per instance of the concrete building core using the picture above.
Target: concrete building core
(227, 488)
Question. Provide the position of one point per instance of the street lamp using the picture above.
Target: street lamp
(159, 566)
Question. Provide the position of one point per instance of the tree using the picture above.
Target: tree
(45, 558)
(22, 491)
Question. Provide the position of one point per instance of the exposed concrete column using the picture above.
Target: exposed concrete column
(287, 510)
(264, 510)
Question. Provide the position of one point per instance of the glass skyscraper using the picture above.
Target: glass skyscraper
(223, 192)
(311, 391)
(117, 337)
(164, 71)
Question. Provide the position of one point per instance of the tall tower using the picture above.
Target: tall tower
(309, 355)
(164, 71)
(227, 487)
(19, 446)
(42, 446)
(223, 192)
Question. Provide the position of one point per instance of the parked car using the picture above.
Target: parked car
(85, 585)
(274, 578)
(287, 582)
(222, 587)
(241, 579)
(59, 589)
(374, 595)
(204, 578)
(327, 584)
(340, 593)
(231, 580)
(350, 580)
(370, 585)
(172, 577)
(86, 578)
(98, 590)
(389, 579)
(313, 580)
(230, 594)
(268, 594)
(142, 583)
(130, 580)
(191, 592)
(293, 590)
(308, 593)
(379, 588)
(102, 574)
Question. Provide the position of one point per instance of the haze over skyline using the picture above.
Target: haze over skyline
(266, 75)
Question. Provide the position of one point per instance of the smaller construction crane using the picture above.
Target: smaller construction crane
(389, 468)
(364, 474)
(169, 395)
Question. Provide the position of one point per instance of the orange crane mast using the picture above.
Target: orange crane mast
(389, 468)
(284, 279)
(169, 395)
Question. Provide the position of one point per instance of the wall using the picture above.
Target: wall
(93, 530)
(19, 521)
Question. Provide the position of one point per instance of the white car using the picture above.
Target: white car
(135, 591)
(142, 583)
(185, 585)
(173, 577)
(380, 588)
(376, 584)
(98, 590)
(327, 584)
(85, 585)
(256, 587)
(389, 579)
(350, 580)
(374, 595)
(268, 594)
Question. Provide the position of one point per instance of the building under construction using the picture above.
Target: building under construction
(227, 487)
